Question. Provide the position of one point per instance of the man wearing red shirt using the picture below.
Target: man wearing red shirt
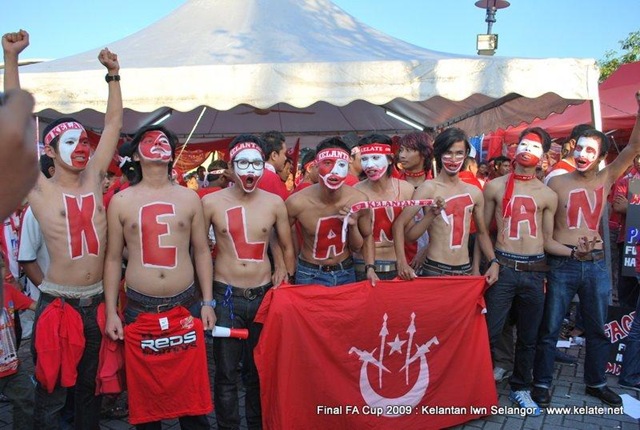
(275, 158)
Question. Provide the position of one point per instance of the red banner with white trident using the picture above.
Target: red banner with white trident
(400, 355)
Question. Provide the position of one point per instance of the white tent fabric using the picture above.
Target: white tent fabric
(302, 67)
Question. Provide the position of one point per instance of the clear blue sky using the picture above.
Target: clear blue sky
(527, 28)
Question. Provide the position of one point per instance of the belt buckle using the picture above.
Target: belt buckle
(249, 294)
(159, 308)
(515, 266)
(85, 301)
(327, 268)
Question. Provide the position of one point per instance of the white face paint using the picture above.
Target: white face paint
(374, 165)
(333, 172)
(586, 153)
(74, 148)
(528, 153)
(244, 168)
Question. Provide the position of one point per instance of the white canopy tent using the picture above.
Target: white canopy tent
(304, 67)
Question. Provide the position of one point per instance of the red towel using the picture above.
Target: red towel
(59, 345)
(110, 378)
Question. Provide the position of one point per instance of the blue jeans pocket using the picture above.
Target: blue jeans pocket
(306, 276)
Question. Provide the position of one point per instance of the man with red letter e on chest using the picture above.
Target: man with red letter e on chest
(159, 222)
(243, 217)
(523, 208)
(320, 210)
(579, 266)
(74, 225)
(455, 201)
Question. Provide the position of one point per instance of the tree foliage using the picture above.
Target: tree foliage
(613, 59)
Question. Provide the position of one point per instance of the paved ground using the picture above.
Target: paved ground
(568, 391)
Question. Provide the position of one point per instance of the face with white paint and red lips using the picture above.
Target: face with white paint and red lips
(74, 148)
(529, 151)
(453, 158)
(248, 166)
(374, 165)
(154, 146)
(333, 167)
(586, 153)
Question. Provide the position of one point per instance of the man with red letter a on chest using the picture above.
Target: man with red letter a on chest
(320, 209)
(523, 208)
(448, 220)
(243, 217)
(74, 225)
(159, 222)
(577, 263)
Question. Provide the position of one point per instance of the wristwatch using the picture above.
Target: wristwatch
(110, 78)
(369, 266)
(494, 260)
(211, 303)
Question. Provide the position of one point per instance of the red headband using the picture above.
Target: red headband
(531, 137)
(61, 128)
(340, 154)
(375, 148)
(242, 146)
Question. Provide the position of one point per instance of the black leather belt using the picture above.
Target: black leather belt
(596, 255)
(158, 308)
(381, 268)
(84, 302)
(247, 293)
(347, 263)
(523, 266)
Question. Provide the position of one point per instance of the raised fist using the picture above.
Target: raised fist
(109, 60)
(14, 43)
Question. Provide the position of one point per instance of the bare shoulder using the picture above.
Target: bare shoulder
(355, 193)
(426, 189)
(406, 189)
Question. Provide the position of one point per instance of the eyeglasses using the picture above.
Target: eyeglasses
(244, 164)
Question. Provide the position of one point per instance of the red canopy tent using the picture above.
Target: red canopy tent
(617, 102)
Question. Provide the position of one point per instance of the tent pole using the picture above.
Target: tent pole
(190, 134)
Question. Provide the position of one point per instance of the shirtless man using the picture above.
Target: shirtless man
(74, 225)
(579, 266)
(447, 252)
(326, 258)
(243, 217)
(159, 222)
(523, 208)
(376, 158)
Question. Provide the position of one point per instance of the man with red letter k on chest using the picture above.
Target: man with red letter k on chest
(74, 225)
(579, 266)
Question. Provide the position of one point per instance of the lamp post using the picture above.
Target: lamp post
(488, 43)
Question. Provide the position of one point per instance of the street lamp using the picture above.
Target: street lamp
(487, 44)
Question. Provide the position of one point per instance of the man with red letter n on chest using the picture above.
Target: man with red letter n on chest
(577, 262)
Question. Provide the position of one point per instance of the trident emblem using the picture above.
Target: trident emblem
(417, 391)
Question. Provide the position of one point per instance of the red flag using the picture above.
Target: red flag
(409, 355)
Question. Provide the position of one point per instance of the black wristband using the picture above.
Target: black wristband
(110, 78)
(369, 266)
(494, 260)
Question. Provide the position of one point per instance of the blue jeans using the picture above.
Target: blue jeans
(309, 275)
(236, 312)
(47, 406)
(525, 292)
(630, 374)
(19, 389)
(589, 279)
